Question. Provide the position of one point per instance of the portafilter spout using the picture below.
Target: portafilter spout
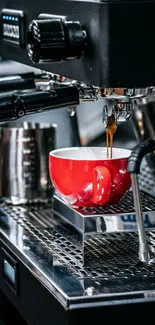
(122, 102)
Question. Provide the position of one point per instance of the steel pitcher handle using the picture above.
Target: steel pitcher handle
(134, 163)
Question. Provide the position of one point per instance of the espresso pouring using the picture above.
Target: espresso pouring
(110, 130)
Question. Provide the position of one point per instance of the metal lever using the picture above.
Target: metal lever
(134, 163)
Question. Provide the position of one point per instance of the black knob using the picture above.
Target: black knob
(55, 40)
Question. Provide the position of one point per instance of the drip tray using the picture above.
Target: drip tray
(117, 267)
(102, 234)
(112, 257)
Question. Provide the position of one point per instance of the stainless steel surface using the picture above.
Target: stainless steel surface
(24, 149)
(108, 218)
(120, 101)
(124, 102)
(28, 232)
(144, 254)
(79, 225)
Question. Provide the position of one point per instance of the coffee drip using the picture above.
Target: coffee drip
(110, 130)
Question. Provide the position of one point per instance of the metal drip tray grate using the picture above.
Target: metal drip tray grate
(87, 230)
(126, 205)
(110, 238)
(117, 252)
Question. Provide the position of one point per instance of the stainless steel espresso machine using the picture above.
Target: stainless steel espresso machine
(59, 264)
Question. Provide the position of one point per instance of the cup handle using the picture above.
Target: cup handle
(102, 182)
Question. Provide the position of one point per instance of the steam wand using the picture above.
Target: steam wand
(134, 163)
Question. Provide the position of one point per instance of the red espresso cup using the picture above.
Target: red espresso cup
(86, 177)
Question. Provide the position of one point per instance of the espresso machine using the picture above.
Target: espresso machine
(59, 264)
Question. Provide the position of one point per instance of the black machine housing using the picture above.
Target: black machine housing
(120, 43)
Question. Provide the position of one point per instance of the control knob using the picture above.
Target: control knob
(52, 40)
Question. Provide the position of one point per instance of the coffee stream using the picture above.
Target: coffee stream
(110, 130)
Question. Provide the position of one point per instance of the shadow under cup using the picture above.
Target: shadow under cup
(86, 177)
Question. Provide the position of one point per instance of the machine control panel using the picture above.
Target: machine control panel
(13, 26)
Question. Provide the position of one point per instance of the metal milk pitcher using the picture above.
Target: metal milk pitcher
(24, 150)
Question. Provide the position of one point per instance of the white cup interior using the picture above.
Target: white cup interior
(90, 153)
